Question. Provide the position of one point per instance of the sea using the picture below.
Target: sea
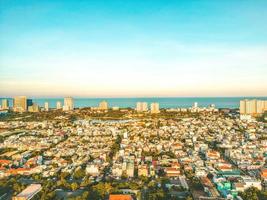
(164, 102)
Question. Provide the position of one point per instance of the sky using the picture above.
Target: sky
(137, 48)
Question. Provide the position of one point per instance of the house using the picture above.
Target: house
(172, 172)
(142, 170)
(92, 170)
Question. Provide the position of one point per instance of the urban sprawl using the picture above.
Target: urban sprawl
(146, 153)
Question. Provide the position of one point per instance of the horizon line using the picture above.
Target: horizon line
(131, 97)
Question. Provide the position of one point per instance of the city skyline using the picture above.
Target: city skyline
(133, 48)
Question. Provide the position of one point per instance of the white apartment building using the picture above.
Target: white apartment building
(68, 104)
(141, 106)
(154, 107)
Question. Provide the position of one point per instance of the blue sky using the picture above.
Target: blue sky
(133, 48)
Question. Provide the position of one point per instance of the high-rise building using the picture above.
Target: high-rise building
(242, 107)
(260, 106)
(252, 107)
(29, 102)
(20, 104)
(33, 108)
(103, 105)
(5, 104)
(154, 108)
(58, 105)
(46, 106)
(68, 104)
(141, 106)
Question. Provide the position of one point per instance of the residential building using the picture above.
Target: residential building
(68, 104)
(34, 108)
(20, 104)
(141, 106)
(29, 102)
(103, 105)
(5, 104)
(154, 108)
(92, 170)
(58, 105)
(130, 169)
(46, 106)
(253, 107)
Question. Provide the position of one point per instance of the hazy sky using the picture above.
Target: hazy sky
(133, 48)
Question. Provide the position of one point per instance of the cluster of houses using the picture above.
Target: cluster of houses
(227, 155)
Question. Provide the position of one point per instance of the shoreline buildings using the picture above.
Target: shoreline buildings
(20, 104)
(103, 105)
(253, 107)
(58, 105)
(141, 106)
(34, 108)
(68, 104)
(154, 107)
(5, 104)
(46, 106)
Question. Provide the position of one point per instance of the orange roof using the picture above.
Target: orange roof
(15, 171)
(224, 167)
(120, 197)
(6, 162)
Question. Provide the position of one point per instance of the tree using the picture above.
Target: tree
(250, 194)
(80, 173)
(16, 187)
(74, 186)
(102, 189)
(157, 194)
(85, 195)
(85, 182)
(64, 175)
(263, 195)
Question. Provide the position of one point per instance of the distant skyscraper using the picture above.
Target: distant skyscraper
(33, 108)
(141, 106)
(252, 107)
(242, 107)
(103, 105)
(5, 104)
(29, 102)
(58, 105)
(20, 104)
(68, 104)
(154, 108)
(46, 106)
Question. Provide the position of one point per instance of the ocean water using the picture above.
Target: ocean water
(170, 102)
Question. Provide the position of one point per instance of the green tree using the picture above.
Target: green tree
(250, 194)
(74, 186)
(102, 189)
(85, 182)
(80, 173)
